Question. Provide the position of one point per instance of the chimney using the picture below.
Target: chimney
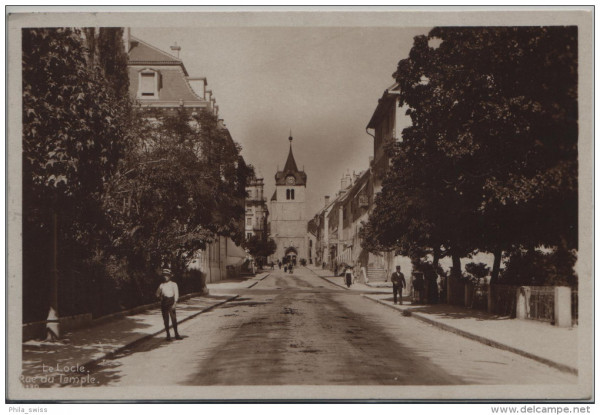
(176, 49)
(326, 200)
(216, 110)
(127, 39)
(346, 181)
(207, 95)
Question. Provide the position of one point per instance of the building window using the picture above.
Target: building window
(148, 84)
(248, 221)
(248, 235)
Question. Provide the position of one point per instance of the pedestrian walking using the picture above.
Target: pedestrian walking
(285, 268)
(279, 263)
(398, 283)
(349, 276)
(291, 268)
(168, 292)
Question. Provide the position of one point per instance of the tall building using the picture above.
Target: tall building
(257, 212)
(288, 212)
(159, 82)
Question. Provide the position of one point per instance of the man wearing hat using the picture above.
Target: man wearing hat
(168, 292)
(398, 283)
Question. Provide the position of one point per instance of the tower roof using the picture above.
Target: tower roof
(290, 169)
(290, 164)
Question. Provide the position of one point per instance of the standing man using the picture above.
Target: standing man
(168, 292)
(398, 283)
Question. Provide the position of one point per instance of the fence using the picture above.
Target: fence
(540, 304)
(556, 305)
(480, 297)
(503, 300)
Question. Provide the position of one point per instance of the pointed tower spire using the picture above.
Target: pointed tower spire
(290, 164)
(282, 177)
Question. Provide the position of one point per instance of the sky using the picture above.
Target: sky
(322, 83)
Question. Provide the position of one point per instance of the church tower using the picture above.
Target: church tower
(288, 212)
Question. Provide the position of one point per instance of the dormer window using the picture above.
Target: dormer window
(148, 84)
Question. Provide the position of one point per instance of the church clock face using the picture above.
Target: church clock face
(291, 180)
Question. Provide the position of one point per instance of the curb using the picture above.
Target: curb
(91, 364)
(325, 279)
(488, 342)
(136, 310)
(259, 280)
(333, 283)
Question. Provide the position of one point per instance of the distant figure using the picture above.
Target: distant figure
(419, 287)
(168, 292)
(285, 267)
(398, 283)
(349, 276)
(291, 268)
(324, 264)
(335, 270)
(364, 274)
(272, 265)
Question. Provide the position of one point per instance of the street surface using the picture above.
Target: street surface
(300, 329)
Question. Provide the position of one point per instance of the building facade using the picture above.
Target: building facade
(288, 223)
(257, 212)
(339, 222)
(159, 81)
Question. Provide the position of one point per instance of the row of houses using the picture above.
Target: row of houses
(159, 81)
(334, 230)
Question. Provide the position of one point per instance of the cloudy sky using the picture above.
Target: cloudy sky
(323, 83)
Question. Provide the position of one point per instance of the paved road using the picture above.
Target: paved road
(299, 329)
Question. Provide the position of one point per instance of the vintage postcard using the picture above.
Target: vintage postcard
(334, 204)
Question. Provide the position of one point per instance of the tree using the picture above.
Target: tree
(72, 141)
(181, 185)
(260, 246)
(490, 159)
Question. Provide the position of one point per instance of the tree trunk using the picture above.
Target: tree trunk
(496, 267)
(456, 267)
(436, 257)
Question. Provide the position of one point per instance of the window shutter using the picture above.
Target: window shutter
(148, 84)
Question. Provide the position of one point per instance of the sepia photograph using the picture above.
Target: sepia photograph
(311, 204)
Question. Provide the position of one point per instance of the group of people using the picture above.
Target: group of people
(398, 283)
(168, 291)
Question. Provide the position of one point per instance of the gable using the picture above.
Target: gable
(141, 51)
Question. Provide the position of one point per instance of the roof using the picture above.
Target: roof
(174, 82)
(312, 227)
(290, 164)
(274, 197)
(290, 169)
(141, 53)
(383, 105)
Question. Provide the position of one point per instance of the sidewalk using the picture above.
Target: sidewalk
(357, 286)
(88, 346)
(554, 346)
